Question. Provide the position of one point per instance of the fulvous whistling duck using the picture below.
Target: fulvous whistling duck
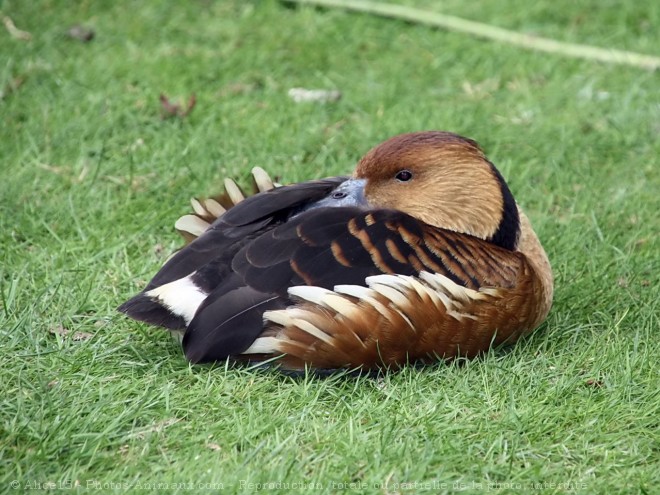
(422, 254)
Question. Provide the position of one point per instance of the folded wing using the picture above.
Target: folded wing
(178, 286)
(327, 248)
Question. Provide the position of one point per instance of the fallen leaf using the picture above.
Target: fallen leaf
(213, 446)
(82, 336)
(59, 330)
(81, 33)
(65, 332)
(171, 109)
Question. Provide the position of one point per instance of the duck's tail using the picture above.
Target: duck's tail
(207, 211)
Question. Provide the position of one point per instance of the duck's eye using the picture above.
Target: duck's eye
(338, 195)
(403, 175)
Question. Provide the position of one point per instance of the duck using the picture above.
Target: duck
(421, 255)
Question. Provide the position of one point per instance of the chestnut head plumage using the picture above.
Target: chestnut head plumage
(441, 178)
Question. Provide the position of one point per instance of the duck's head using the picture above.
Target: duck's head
(440, 178)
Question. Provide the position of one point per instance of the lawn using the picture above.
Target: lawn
(93, 178)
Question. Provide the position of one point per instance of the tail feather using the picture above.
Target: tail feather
(143, 308)
(228, 322)
(207, 211)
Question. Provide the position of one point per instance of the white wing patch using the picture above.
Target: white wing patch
(182, 297)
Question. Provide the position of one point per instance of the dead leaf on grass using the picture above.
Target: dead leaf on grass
(170, 109)
(82, 336)
(65, 332)
(81, 33)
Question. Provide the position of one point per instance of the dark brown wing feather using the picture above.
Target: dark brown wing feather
(211, 254)
(331, 246)
(241, 223)
(335, 246)
(228, 321)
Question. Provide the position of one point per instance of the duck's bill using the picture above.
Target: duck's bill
(348, 193)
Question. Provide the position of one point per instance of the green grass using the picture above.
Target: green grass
(92, 180)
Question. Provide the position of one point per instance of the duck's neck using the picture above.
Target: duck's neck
(530, 246)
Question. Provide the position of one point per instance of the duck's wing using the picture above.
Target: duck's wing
(243, 222)
(215, 248)
(404, 291)
(332, 249)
